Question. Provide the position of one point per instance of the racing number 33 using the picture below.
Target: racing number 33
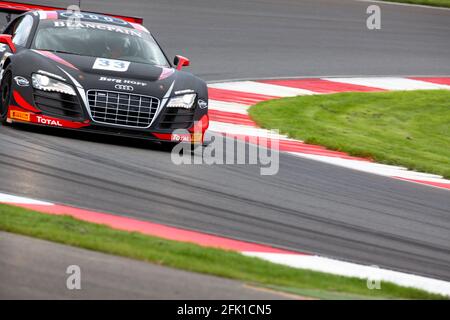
(111, 65)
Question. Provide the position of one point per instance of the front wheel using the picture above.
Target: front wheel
(5, 90)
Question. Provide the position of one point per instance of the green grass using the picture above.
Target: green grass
(408, 128)
(435, 3)
(67, 230)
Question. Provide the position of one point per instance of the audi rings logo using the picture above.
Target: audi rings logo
(124, 87)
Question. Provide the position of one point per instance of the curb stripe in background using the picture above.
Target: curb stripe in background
(236, 97)
(445, 81)
(322, 86)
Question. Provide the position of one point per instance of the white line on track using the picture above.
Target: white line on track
(7, 198)
(349, 269)
(261, 88)
(375, 168)
(228, 106)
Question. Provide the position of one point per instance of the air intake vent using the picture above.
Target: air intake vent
(58, 104)
(177, 118)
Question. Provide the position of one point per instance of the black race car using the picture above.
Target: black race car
(96, 72)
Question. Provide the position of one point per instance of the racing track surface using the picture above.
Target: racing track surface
(308, 206)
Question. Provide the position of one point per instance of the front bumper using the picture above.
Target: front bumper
(22, 111)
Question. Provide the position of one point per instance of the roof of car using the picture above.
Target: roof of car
(85, 16)
(18, 8)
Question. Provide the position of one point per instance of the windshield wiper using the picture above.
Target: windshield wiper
(61, 51)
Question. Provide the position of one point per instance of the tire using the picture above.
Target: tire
(5, 92)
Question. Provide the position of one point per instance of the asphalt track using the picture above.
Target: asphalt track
(308, 206)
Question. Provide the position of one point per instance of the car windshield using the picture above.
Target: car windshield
(99, 40)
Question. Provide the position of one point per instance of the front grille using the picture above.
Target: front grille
(122, 109)
(58, 104)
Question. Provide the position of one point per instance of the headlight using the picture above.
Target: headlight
(45, 83)
(185, 101)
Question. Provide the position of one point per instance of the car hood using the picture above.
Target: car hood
(133, 70)
(138, 78)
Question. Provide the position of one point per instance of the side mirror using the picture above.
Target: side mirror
(7, 39)
(181, 62)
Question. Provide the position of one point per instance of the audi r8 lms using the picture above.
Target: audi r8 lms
(96, 72)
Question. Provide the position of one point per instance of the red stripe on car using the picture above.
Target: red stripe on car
(23, 103)
(56, 58)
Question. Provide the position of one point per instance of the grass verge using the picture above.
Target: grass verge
(434, 3)
(67, 230)
(408, 128)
